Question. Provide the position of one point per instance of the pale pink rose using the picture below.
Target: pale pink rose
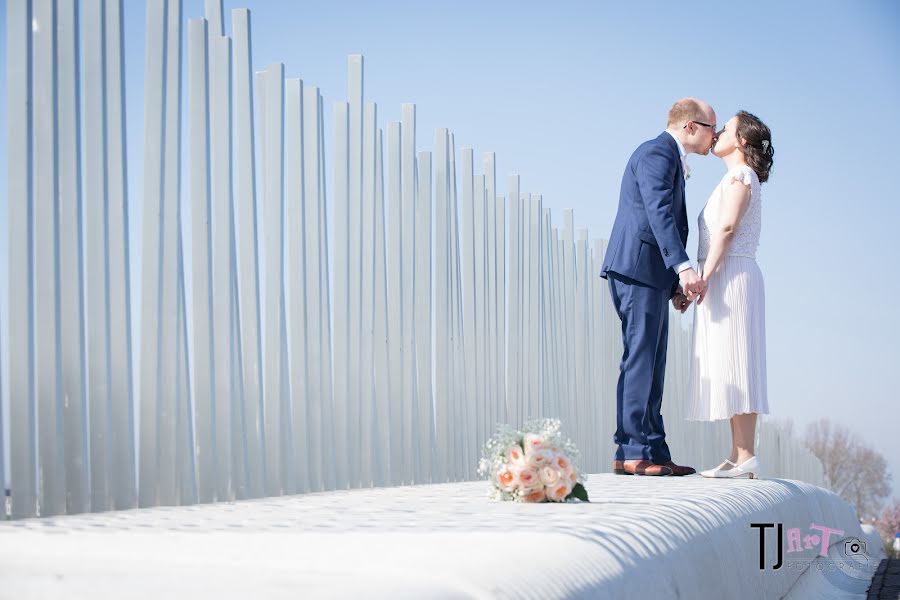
(528, 478)
(549, 476)
(538, 458)
(561, 463)
(515, 457)
(507, 480)
(533, 442)
(558, 492)
(535, 496)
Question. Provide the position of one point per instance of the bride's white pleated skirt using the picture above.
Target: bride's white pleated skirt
(728, 345)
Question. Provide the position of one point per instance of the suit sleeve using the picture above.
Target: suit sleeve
(655, 177)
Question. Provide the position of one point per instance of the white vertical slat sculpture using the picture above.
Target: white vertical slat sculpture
(467, 243)
(329, 424)
(490, 203)
(70, 233)
(20, 123)
(46, 257)
(6, 500)
(561, 323)
(535, 295)
(501, 309)
(249, 310)
(415, 465)
(416, 188)
(442, 379)
(551, 400)
(482, 414)
(570, 332)
(213, 11)
(461, 453)
(556, 322)
(341, 294)
(167, 459)
(395, 298)
(598, 373)
(381, 341)
(239, 427)
(221, 218)
(546, 402)
(274, 400)
(354, 277)
(420, 431)
(297, 289)
(528, 298)
(514, 295)
(154, 76)
(367, 396)
(202, 252)
(441, 324)
(121, 356)
(583, 424)
(170, 397)
(185, 468)
(309, 267)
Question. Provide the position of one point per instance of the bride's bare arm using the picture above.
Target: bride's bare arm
(735, 200)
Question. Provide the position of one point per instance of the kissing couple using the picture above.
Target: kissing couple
(647, 267)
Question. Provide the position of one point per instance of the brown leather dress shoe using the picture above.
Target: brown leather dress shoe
(639, 467)
(678, 469)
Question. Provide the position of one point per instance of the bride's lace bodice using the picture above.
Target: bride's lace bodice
(746, 237)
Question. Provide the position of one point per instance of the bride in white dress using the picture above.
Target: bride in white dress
(728, 348)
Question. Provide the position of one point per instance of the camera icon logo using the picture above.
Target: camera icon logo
(854, 547)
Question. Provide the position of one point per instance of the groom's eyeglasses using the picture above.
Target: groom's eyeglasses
(713, 127)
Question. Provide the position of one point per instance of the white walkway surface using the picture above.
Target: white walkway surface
(639, 537)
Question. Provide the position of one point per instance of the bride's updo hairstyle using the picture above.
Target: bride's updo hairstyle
(758, 149)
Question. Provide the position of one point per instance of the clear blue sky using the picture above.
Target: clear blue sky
(564, 93)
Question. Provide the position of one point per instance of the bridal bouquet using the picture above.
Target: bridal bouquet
(532, 464)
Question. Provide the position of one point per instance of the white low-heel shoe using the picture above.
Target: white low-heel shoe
(748, 468)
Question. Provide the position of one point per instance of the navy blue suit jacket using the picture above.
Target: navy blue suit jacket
(651, 229)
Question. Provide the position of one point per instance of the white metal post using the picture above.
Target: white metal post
(341, 293)
(248, 260)
(202, 256)
(20, 127)
(46, 261)
(70, 238)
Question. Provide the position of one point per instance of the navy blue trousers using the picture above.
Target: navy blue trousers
(644, 312)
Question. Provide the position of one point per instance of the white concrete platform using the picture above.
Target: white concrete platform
(639, 537)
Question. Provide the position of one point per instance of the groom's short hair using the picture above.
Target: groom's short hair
(686, 109)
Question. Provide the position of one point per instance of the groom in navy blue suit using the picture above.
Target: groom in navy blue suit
(646, 265)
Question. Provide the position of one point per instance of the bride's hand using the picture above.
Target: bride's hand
(696, 291)
(701, 295)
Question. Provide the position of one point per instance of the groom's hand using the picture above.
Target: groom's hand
(680, 302)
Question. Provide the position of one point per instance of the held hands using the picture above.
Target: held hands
(693, 286)
(680, 302)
